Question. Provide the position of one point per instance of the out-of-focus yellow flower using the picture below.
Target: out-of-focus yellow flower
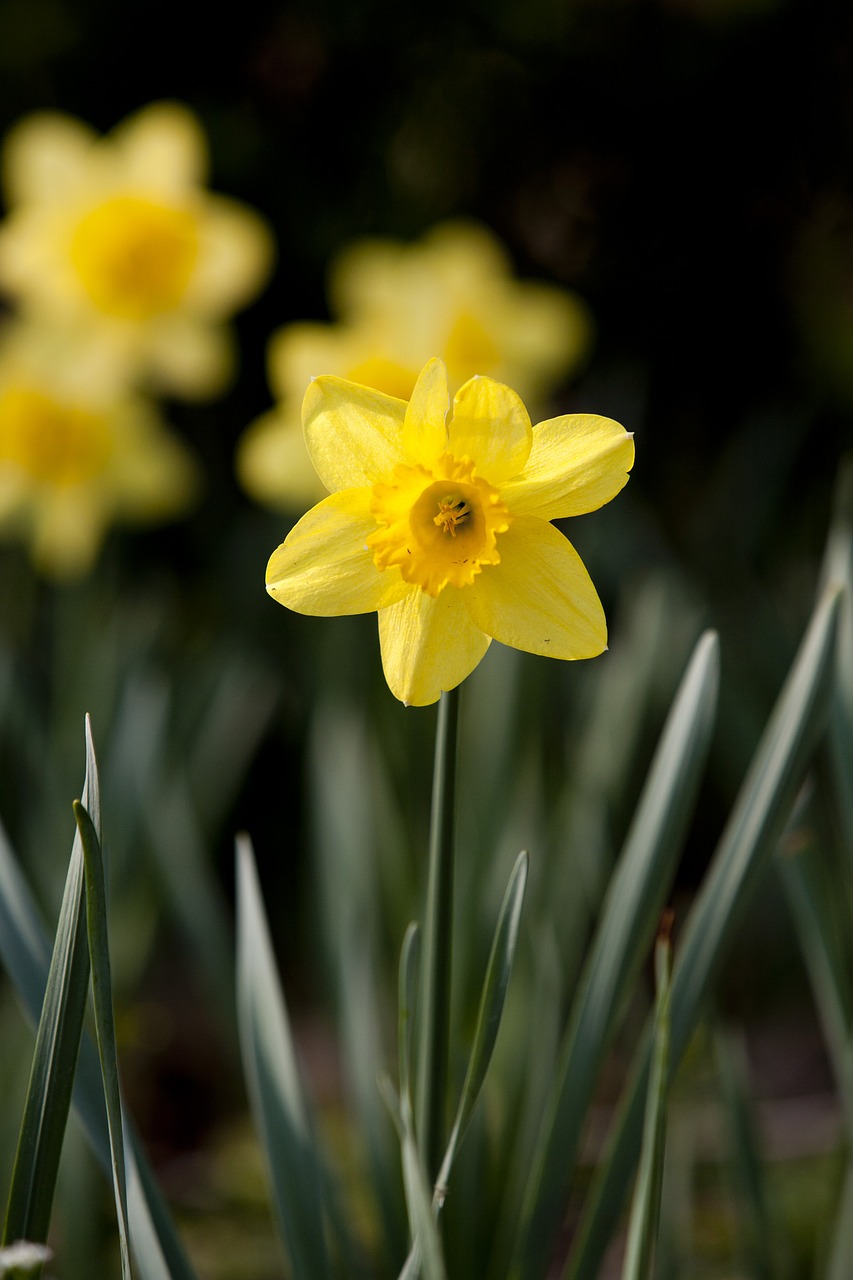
(452, 294)
(116, 239)
(442, 524)
(75, 455)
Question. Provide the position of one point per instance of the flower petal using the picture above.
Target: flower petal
(577, 463)
(152, 476)
(44, 156)
(354, 435)
(323, 566)
(273, 464)
(491, 426)
(540, 597)
(296, 353)
(235, 257)
(428, 644)
(424, 430)
(67, 532)
(162, 147)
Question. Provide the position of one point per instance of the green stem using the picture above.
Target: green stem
(435, 1000)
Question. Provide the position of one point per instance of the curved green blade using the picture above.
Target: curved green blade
(410, 954)
(489, 1015)
(744, 850)
(426, 1257)
(630, 917)
(25, 953)
(274, 1086)
(56, 1050)
(645, 1208)
(99, 957)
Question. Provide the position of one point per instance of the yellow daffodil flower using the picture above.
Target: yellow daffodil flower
(75, 455)
(443, 524)
(116, 239)
(452, 294)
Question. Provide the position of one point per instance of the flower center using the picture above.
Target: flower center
(134, 256)
(60, 445)
(438, 525)
(452, 512)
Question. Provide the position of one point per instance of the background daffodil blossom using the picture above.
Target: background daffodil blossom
(452, 294)
(77, 454)
(116, 239)
(442, 523)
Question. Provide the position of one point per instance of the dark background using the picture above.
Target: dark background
(685, 165)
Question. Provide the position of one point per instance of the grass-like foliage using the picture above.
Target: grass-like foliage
(472, 1146)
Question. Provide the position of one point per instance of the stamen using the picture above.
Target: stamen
(451, 512)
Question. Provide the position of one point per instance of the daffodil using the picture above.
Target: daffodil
(76, 455)
(441, 521)
(452, 295)
(117, 240)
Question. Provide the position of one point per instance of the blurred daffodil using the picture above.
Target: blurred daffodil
(116, 239)
(452, 294)
(75, 455)
(442, 523)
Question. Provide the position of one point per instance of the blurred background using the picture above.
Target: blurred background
(685, 169)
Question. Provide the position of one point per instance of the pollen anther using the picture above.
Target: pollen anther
(418, 507)
(452, 511)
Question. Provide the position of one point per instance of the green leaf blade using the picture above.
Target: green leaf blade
(56, 1051)
(490, 1012)
(645, 1209)
(743, 852)
(99, 957)
(629, 920)
(275, 1090)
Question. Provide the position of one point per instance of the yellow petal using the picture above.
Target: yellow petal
(273, 465)
(490, 426)
(424, 430)
(323, 566)
(67, 533)
(235, 257)
(540, 597)
(163, 148)
(577, 463)
(354, 434)
(43, 157)
(298, 352)
(428, 644)
(153, 476)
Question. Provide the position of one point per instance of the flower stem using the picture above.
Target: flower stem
(435, 998)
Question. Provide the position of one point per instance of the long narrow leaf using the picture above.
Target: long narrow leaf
(426, 1257)
(813, 899)
(354, 819)
(25, 953)
(763, 1242)
(643, 1225)
(275, 1090)
(489, 1017)
(99, 956)
(629, 919)
(838, 569)
(57, 1047)
(406, 1004)
(840, 1259)
(751, 835)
